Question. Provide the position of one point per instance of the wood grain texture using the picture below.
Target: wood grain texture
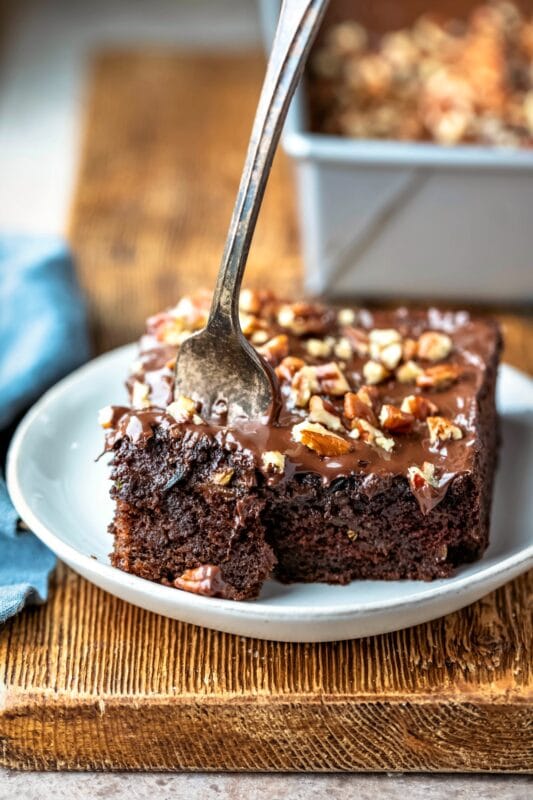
(90, 682)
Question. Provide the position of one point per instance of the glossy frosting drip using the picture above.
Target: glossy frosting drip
(318, 335)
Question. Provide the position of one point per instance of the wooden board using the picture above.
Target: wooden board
(90, 682)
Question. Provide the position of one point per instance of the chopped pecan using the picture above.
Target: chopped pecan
(273, 461)
(304, 384)
(419, 478)
(434, 346)
(288, 368)
(275, 349)
(408, 372)
(438, 377)
(331, 379)
(259, 337)
(343, 348)
(358, 339)
(184, 409)
(420, 407)
(442, 429)
(382, 337)
(346, 316)
(322, 411)
(140, 395)
(250, 301)
(206, 579)
(393, 419)
(303, 318)
(316, 437)
(356, 407)
(410, 349)
(391, 355)
(361, 429)
(252, 325)
(374, 372)
(369, 395)
(319, 348)
(106, 416)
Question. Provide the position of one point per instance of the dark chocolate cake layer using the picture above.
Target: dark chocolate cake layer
(379, 465)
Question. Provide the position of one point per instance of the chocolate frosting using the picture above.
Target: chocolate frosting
(474, 343)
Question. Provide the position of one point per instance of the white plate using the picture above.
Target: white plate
(62, 494)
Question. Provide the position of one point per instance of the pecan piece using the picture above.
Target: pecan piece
(140, 395)
(393, 419)
(275, 349)
(442, 429)
(273, 461)
(357, 407)
(250, 301)
(419, 478)
(184, 409)
(331, 379)
(374, 372)
(323, 412)
(434, 346)
(361, 429)
(438, 377)
(288, 368)
(319, 348)
(205, 579)
(316, 437)
(420, 407)
(408, 372)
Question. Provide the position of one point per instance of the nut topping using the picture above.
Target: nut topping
(276, 349)
(346, 316)
(343, 349)
(419, 478)
(316, 437)
(374, 372)
(288, 368)
(391, 355)
(206, 580)
(363, 430)
(318, 348)
(394, 419)
(331, 379)
(358, 339)
(303, 318)
(356, 406)
(323, 412)
(304, 383)
(273, 461)
(408, 372)
(105, 416)
(438, 377)
(434, 346)
(140, 395)
(420, 407)
(249, 302)
(410, 349)
(183, 409)
(441, 429)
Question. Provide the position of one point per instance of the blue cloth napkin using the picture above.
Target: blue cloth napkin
(43, 336)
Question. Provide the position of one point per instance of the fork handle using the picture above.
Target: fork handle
(298, 22)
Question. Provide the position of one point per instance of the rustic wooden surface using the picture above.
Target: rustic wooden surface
(91, 682)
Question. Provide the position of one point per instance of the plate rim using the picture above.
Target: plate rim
(510, 566)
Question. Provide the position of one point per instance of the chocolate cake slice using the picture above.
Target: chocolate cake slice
(380, 464)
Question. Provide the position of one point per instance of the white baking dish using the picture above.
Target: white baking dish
(414, 220)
